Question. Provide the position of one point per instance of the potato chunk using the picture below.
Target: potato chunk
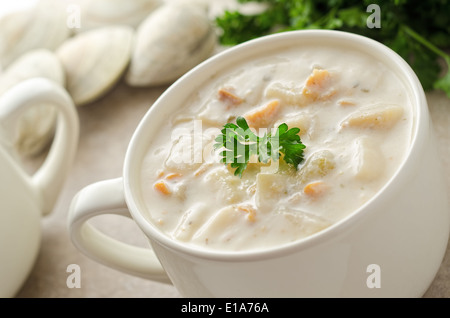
(376, 116)
(270, 187)
(305, 223)
(370, 162)
(225, 225)
(191, 221)
(302, 121)
(288, 94)
(228, 187)
(318, 165)
(186, 152)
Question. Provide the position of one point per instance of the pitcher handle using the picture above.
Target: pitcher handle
(50, 176)
(107, 197)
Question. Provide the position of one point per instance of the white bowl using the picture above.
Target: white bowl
(400, 235)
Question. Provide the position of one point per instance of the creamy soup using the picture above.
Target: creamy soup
(355, 120)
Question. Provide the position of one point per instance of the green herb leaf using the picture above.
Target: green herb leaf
(238, 143)
(444, 82)
(418, 30)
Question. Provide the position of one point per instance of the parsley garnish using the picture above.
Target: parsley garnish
(417, 30)
(238, 143)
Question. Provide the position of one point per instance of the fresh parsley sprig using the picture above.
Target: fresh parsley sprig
(238, 144)
(417, 30)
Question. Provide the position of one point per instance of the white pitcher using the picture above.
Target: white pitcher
(24, 199)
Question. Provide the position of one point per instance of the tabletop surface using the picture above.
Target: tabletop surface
(106, 127)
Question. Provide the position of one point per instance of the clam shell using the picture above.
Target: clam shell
(172, 40)
(99, 13)
(40, 26)
(36, 127)
(95, 60)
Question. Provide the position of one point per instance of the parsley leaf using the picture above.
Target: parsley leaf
(238, 143)
(418, 30)
(444, 82)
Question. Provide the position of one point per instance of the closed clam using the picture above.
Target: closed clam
(172, 40)
(40, 26)
(98, 13)
(95, 60)
(36, 126)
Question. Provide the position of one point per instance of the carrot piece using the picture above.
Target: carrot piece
(251, 213)
(315, 189)
(263, 115)
(227, 95)
(318, 78)
(161, 187)
(200, 170)
(160, 173)
(346, 103)
(316, 85)
(173, 176)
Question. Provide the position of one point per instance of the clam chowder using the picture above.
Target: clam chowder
(355, 120)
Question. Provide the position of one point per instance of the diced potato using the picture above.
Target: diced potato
(264, 115)
(287, 94)
(306, 223)
(185, 154)
(302, 121)
(377, 116)
(224, 226)
(318, 165)
(191, 221)
(370, 162)
(214, 114)
(228, 187)
(270, 187)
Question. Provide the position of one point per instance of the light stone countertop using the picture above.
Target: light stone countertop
(106, 128)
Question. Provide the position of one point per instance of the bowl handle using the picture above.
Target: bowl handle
(49, 178)
(107, 197)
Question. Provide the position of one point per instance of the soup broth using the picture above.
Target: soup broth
(355, 119)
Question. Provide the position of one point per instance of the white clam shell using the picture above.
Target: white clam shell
(172, 40)
(95, 60)
(36, 127)
(98, 13)
(40, 26)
